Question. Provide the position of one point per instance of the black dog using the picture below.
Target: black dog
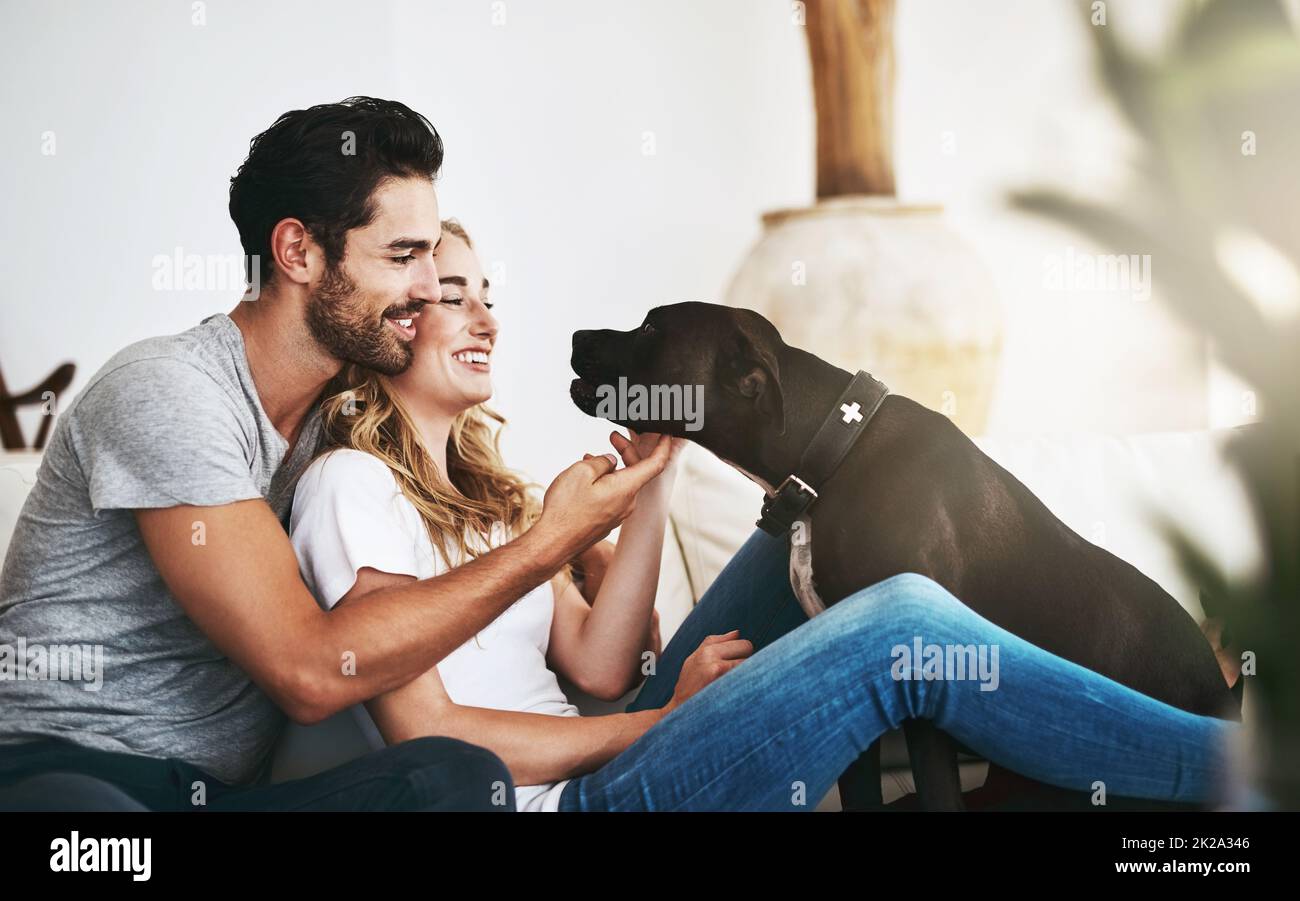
(914, 494)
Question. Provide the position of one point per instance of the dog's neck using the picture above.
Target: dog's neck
(809, 386)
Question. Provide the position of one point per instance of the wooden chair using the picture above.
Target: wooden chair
(11, 435)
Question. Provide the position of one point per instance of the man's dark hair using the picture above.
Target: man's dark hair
(322, 166)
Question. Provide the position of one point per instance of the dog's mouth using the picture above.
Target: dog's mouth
(583, 394)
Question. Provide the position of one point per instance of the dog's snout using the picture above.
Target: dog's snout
(581, 354)
(595, 352)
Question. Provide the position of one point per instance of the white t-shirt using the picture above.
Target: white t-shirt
(348, 512)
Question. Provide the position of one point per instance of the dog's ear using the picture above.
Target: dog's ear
(752, 371)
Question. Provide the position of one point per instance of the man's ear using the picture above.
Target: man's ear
(753, 373)
(291, 247)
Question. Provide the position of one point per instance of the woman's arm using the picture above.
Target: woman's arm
(589, 570)
(598, 647)
(590, 566)
(536, 748)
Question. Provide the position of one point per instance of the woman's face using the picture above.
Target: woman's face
(453, 337)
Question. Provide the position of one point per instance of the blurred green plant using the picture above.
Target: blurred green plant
(1216, 115)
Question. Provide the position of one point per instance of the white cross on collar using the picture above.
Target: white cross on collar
(851, 414)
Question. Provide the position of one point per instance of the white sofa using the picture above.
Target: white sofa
(1106, 488)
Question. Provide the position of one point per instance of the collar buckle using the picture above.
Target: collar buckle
(785, 505)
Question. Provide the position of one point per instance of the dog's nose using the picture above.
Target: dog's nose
(581, 344)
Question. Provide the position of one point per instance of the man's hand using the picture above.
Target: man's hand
(590, 498)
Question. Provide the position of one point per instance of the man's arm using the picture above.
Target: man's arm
(242, 587)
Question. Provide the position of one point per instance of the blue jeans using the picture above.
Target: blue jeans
(778, 730)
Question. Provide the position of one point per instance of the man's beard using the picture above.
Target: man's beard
(346, 330)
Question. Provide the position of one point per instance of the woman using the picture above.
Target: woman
(416, 483)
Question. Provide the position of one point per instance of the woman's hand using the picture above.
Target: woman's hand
(637, 445)
(645, 443)
(656, 643)
(716, 656)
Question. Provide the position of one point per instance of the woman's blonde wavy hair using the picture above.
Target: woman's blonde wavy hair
(361, 411)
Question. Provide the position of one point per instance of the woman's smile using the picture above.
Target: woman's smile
(474, 359)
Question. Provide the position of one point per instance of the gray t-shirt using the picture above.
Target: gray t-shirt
(167, 421)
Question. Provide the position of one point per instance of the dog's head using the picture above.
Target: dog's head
(701, 371)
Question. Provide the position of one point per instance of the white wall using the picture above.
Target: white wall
(545, 116)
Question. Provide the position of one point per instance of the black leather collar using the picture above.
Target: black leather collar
(846, 421)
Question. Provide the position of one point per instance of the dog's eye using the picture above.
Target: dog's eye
(647, 329)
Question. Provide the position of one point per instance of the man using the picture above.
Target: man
(155, 528)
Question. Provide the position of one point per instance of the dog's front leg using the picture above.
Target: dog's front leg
(933, 754)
